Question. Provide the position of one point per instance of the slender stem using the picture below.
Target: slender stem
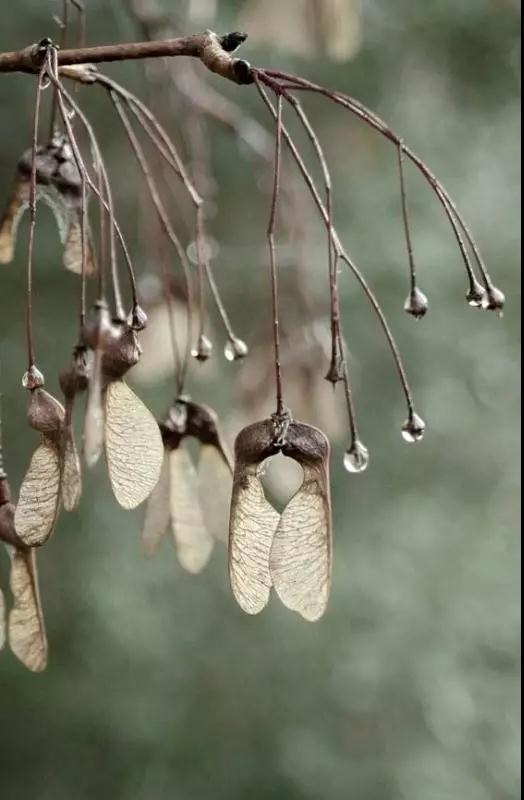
(272, 250)
(372, 119)
(405, 217)
(201, 259)
(63, 42)
(32, 222)
(166, 225)
(340, 251)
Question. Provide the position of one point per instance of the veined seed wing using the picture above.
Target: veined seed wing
(26, 631)
(300, 558)
(11, 217)
(215, 484)
(156, 521)
(193, 541)
(134, 448)
(94, 418)
(253, 520)
(71, 477)
(73, 245)
(39, 498)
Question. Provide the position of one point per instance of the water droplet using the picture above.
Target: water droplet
(416, 303)
(138, 318)
(476, 296)
(496, 300)
(235, 349)
(203, 349)
(33, 378)
(414, 428)
(356, 458)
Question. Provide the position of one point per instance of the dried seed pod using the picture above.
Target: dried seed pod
(300, 557)
(133, 444)
(58, 184)
(72, 381)
(291, 551)
(25, 627)
(197, 499)
(253, 520)
(97, 333)
(39, 497)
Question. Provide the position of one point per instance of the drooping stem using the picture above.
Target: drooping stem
(339, 249)
(32, 222)
(168, 229)
(405, 218)
(272, 250)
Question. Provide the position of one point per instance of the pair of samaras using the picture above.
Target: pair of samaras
(193, 501)
(291, 551)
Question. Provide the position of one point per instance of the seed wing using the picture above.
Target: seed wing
(94, 418)
(156, 521)
(71, 478)
(134, 448)
(2, 621)
(39, 498)
(252, 526)
(73, 246)
(11, 217)
(300, 559)
(193, 541)
(26, 624)
(215, 484)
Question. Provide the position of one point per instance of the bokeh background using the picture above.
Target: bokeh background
(158, 686)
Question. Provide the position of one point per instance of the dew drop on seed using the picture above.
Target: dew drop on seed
(496, 300)
(235, 349)
(413, 429)
(416, 303)
(203, 349)
(356, 458)
(33, 378)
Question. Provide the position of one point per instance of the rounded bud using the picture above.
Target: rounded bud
(496, 300)
(476, 295)
(203, 349)
(138, 318)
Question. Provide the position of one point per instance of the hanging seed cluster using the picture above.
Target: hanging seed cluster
(213, 497)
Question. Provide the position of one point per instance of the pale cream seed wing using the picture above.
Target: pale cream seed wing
(193, 542)
(94, 417)
(215, 483)
(156, 520)
(39, 498)
(252, 525)
(301, 554)
(134, 448)
(11, 217)
(3, 630)
(26, 631)
(71, 478)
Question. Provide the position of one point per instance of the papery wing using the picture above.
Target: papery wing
(134, 448)
(73, 248)
(193, 541)
(94, 417)
(71, 479)
(215, 485)
(252, 525)
(39, 498)
(26, 631)
(11, 217)
(300, 559)
(156, 521)
(2, 621)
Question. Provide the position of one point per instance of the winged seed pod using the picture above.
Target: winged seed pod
(58, 184)
(73, 381)
(291, 551)
(133, 444)
(24, 626)
(39, 497)
(194, 502)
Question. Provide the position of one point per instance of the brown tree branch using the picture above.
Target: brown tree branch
(212, 50)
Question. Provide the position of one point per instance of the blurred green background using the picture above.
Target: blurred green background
(158, 686)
